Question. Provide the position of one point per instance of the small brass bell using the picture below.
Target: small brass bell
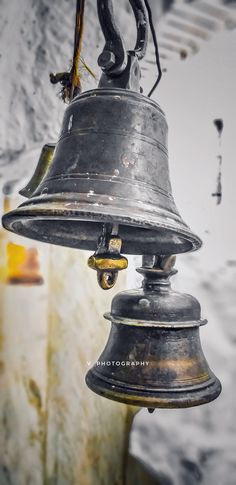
(153, 357)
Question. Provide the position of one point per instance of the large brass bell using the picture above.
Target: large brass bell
(109, 173)
(153, 357)
(110, 165)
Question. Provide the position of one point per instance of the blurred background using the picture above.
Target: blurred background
(53, 429)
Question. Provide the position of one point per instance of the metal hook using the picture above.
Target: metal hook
(113, 59)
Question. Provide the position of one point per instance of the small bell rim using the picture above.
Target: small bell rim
(154, 323)
(156, 398)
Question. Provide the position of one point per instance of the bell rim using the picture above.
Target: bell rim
(160, 398)
(28, 211)
(153, 323)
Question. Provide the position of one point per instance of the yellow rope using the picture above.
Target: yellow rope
(79, 28)
(70, 81)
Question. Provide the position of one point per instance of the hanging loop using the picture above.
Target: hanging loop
(114, 59)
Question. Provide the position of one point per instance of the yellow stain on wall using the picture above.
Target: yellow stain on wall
(22, 265)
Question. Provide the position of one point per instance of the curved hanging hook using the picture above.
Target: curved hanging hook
(141, 18)
(114, 56)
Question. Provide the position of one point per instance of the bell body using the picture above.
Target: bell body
(153, 357)
(110, 165)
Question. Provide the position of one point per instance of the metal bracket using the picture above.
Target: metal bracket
(120, 68)
(128, 79)
(107, 260)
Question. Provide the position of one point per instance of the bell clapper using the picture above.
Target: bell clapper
(151, 410)
(107, 260)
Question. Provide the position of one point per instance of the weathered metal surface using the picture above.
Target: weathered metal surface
(153, 356)
(110, 166)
